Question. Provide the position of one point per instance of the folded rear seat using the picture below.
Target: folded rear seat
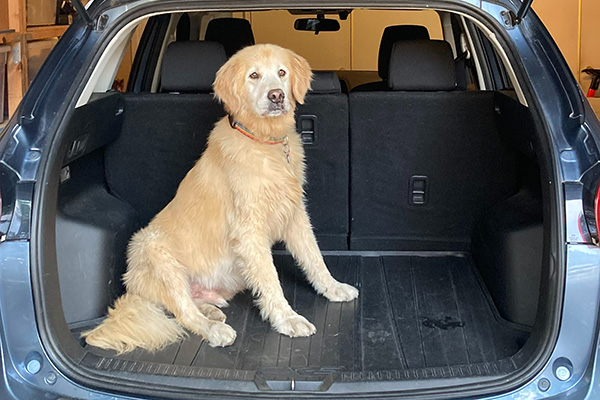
(323, 123)
(427, 160)
(163, 134)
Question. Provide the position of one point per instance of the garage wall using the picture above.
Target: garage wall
(573, 25)
(590, 45)
(561, 17)
(3, 15)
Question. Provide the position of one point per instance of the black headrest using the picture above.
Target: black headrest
(190, 67)
(233, 33)
(325, 82)
(391, 35)
(183, 28)
(422, 65)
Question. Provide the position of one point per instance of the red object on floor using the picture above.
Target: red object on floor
(595, 74)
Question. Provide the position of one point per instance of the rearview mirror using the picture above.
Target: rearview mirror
(316, 25)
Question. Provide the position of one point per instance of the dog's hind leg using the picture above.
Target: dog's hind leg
(301, 242)
(154, 272)
(210, 311)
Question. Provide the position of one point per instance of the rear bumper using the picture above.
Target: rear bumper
(577, 339)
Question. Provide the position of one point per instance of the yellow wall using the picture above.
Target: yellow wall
(561, 17)
(368, 25)
(590, 38)
(574, 26)
(354, 47)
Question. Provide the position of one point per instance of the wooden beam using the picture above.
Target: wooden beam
(7, 37)
(45, 32)
(17, 17)
(16, 66)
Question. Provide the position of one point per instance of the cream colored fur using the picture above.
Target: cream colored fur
(214, 238)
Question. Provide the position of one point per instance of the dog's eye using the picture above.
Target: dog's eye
(254, 75)
(282, 73)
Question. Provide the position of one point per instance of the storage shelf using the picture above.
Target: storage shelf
(45, 32)
(7, 37)
(19, 37)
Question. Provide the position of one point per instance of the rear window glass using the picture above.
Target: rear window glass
(354, 47)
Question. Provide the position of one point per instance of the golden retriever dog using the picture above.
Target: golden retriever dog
(214, 238)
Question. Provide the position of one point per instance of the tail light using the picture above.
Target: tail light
(597, 212)
(590, 194)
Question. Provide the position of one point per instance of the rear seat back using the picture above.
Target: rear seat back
(391, 35)
(322, 122)
(233, 33)
(163, 134)
(191, 66)
(426, 160)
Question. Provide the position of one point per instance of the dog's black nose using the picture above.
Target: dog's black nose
(276, 95)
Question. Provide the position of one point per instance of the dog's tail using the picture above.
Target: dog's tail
(135, 322)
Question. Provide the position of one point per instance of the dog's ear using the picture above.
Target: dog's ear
(228, 82)
(300, 77)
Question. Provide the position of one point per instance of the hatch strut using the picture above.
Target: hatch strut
(525, 6)
(83, 12)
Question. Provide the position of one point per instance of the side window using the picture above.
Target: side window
(498, 75)
(123, 73)
(467, 74)
(138, 68)
(486, 61)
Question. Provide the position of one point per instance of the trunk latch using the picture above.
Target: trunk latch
(293, 381)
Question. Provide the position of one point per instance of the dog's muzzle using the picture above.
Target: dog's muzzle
(277, 103)
(276, 96)
(276, 100)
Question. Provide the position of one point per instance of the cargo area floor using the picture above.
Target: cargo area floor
(418, 315)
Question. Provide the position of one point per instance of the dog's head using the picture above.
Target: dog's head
(264, 80)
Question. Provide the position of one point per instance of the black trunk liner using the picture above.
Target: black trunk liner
(418, 316)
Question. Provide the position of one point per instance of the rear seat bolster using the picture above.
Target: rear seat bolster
(162, 137)
(327, 168)
(327, 159)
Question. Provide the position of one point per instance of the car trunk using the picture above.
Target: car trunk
(443, 294)
(419, 316)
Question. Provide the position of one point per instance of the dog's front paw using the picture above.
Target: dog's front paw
(220, 335)
(340, 292)
(295, 326)
(211, 312)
